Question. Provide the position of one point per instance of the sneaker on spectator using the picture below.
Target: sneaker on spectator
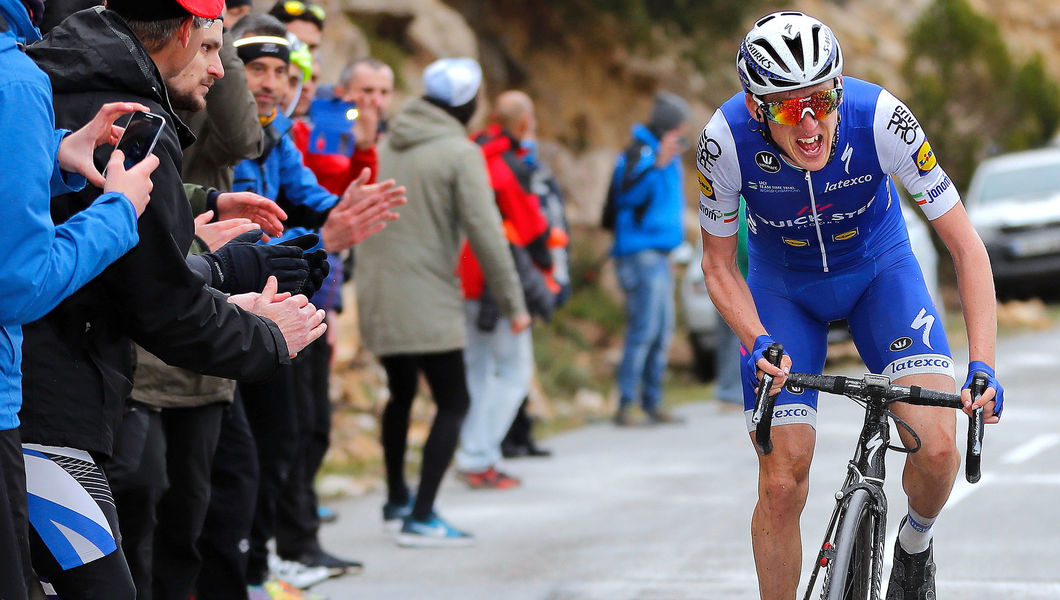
(296, 574)
(434, 532)
(662, 417)
(326, 515)
(336, 566)
(491, 478)
(279, 590)
(622, 418)
(394, 514)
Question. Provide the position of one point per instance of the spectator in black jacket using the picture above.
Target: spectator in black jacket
(77, 359)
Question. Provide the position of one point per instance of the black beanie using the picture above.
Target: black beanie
(238, 3)
(669, 111)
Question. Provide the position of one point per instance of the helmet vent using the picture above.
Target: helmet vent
(768, 49)
(795, 46)
(816, 43)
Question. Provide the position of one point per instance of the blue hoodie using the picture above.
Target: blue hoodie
(40, 264)
(280, 170)
(657, 192)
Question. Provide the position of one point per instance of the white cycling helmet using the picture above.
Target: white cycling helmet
(787, 50)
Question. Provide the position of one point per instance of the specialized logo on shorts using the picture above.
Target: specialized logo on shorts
(901, 343)
(796, 243)
(926, 321)
(846, 235)
(767, 161)
(706, 187)
(709, 152)
(924, 158)
(919, 365)
(795, 389)
(903, 124)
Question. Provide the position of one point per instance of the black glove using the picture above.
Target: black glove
(242, 265)
(488, 312)
(319, 267)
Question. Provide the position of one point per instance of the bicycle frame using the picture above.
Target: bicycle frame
(866, 470)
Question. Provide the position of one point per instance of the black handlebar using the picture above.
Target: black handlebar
(762, 418)
(973, 459)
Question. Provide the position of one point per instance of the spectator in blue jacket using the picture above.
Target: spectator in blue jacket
(646, 185)
(41, 264)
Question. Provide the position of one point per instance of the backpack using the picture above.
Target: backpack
(620, 183)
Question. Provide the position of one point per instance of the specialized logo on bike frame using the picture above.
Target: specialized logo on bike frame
(901, 343)
(706, 187)
(767, 161)
(795, 389)
(708, 153)
(924, 158)
(903, 124)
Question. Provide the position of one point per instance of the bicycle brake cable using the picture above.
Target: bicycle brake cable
(900, 423)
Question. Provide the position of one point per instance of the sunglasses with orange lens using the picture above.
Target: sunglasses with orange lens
(790, 112)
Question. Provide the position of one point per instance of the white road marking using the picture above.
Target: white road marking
(1029, 450)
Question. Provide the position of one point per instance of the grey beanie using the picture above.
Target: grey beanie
(669, 111)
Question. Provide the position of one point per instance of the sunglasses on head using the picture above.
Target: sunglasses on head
(790, 112)
(297, 8)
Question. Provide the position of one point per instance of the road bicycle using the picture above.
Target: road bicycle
(852, 554)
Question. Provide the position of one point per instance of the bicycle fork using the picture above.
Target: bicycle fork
(865, 471)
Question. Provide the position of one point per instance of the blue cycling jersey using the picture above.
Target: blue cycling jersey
(832, 244)
(840, 215)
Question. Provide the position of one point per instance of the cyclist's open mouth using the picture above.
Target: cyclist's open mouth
(811, 146)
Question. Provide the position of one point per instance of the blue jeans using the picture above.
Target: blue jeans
(500, 368)
(646, 279)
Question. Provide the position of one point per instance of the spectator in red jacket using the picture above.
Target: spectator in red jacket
(499, 362)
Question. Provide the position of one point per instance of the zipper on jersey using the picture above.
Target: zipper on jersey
(817, 223)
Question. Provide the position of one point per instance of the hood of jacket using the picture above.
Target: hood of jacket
(18, 23)
(95, 51)
(420, 122)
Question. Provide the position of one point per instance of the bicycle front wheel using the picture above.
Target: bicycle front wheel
(850, 574)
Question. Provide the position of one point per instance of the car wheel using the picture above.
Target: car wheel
(702, 359)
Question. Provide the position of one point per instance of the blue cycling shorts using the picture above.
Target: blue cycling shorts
(892, 319)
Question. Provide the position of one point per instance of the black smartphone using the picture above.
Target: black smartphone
(141, 134)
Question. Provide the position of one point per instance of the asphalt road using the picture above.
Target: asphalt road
(663, 513)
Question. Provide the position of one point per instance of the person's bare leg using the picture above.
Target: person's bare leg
(783, 482)
(929, 474)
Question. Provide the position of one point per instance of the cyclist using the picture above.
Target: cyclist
(813, 154)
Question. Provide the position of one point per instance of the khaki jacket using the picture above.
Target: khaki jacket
(408, 295)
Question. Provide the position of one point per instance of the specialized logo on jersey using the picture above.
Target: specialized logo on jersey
(705, 187)
(708, 153)
(926, 321)
(901, 343)
(846, 235)
(924, 158)
(847, 153)
(767, 161)
(832, 186)
(796, 243)
(903, 124)
(716, 215)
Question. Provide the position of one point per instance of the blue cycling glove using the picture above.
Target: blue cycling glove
(762, 342)
(975, 367)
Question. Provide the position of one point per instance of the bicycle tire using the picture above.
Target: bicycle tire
(849, 575)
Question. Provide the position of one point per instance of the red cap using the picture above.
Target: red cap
(210, 9)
